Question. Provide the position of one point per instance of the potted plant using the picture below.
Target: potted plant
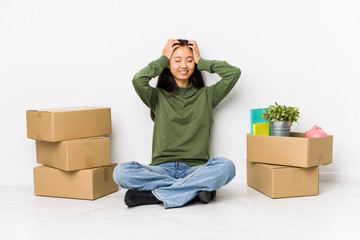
(281, 118)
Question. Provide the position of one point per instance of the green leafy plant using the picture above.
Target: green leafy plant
(281, 113)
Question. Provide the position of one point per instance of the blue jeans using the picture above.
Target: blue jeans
(175, 183)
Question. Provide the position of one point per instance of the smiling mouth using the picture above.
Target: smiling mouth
(184, 73)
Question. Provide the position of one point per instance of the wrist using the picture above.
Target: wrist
(197, 60)
(168, 57)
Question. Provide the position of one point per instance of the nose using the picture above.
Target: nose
(184, 65)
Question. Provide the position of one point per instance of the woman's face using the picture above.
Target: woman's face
(182, 65)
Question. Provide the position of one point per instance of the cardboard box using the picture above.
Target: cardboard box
(83, 184)
(281, 181)
(75, 154)
(296, 150)
(60, 124)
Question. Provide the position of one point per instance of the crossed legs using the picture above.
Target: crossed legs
(175, 183)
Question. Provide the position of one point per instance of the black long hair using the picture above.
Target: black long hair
(166, 80)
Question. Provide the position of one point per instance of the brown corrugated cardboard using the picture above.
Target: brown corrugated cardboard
(75, 154)
(296, 150)
(83, 184)
(60, 124)
(281, 181)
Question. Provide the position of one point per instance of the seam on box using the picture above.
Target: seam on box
(272, 183)
(110, 120)
(93, 185)
(52, 126)
(308, 150)
(67, 156)
(106, 174)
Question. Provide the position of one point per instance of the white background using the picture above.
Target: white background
(85, 53)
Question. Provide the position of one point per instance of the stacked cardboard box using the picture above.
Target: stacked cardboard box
(286, 166)
(74, 148)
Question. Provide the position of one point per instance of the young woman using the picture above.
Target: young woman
(181, 107)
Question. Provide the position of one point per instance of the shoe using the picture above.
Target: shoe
(206, 196)
(136, 198)
(213, 194)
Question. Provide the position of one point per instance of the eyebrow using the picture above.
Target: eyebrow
(186, 57)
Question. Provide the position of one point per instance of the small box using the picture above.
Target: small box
(296, 150)
(83, 184)
(282, 181)
(61, 124)
(261, 129)
(74, 154)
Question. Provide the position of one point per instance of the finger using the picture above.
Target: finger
(175, 44)
(174, 48)
(171, 42)
(192, 42)
(193, 47)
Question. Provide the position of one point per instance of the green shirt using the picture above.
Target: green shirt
(183, 121)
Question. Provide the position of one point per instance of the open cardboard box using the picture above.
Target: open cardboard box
(282, 181)
(83, 184)
(60, 124)
(74, 154)
(296, 150)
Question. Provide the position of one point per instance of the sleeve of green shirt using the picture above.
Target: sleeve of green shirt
(229, 75)
(141, 81)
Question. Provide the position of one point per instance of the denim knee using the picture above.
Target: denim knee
(120, 174)
(227, 166)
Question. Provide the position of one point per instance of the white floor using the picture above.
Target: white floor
(238, 212)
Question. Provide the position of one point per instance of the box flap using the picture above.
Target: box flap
(272, 166)
(68, 109)
(297, 134)
(320, 150)
(38, 125)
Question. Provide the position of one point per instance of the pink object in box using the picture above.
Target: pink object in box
(315, 132)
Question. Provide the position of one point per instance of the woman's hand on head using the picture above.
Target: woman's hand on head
(170, 47)
(195, 48)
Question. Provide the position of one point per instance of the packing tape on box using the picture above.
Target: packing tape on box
(89, 162)
(106, 174)
(38, 115)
